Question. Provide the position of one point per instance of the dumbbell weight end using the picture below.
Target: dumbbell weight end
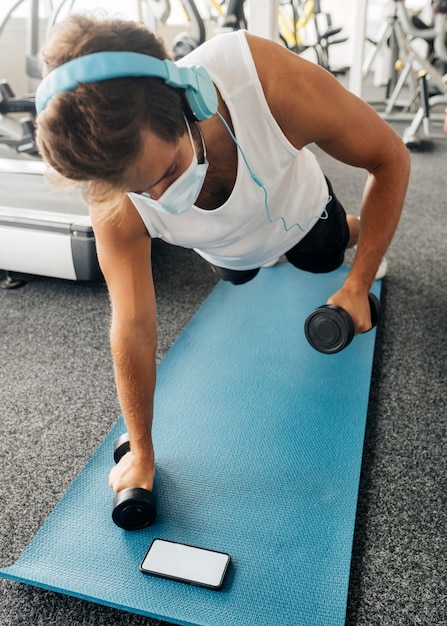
(134, 508)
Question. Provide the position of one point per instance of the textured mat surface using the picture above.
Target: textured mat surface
(259, 443)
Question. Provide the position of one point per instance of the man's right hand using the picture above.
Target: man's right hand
(132, 471)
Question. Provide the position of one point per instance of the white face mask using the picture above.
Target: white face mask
(182, 194)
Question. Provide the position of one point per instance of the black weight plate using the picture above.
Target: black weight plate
(134, 508)
(329, 329)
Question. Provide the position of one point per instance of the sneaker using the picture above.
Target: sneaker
(382, 269)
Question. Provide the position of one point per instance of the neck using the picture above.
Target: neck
(216, 138)
(222, 157)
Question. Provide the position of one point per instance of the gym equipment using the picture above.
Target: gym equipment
(417, 76)
(185, 42)
(42, 231)
(133, 508)
(422, 126)
(399, 56)
(330, 328)
(259, 442)
(305, 26)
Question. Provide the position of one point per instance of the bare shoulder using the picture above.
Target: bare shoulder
(117, 216)
(312, 106)
(283, 72)
(297, 91)
(266, 54)
(122, 239)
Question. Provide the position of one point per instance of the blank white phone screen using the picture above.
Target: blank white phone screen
(187, 563)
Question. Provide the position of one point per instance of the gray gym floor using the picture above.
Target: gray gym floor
(57, 401)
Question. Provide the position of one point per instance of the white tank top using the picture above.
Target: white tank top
(238, 234)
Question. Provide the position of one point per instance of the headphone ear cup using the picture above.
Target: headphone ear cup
(202, 100)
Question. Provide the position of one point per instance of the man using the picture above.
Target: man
(234, 182)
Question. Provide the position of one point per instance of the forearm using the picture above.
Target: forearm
(133, 354)
(382, 205)
(381, 209)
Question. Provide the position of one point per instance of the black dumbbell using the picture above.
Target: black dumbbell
(133, 508)
(330, 328)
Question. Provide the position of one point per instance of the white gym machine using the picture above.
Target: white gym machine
(43, 231)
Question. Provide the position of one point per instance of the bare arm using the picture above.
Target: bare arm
(311, 106)
(124, 252)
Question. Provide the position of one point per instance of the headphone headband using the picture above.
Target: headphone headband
(99, 66)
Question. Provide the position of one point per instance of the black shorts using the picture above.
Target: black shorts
(321, 250)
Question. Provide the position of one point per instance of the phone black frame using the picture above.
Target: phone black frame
(186, 580)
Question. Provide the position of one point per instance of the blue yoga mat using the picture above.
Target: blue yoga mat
(259, 444)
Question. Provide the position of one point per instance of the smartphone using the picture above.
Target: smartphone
(184, 563)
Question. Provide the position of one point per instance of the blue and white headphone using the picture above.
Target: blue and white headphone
(199, 89)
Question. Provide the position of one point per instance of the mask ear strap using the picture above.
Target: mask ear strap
(192, 139)
(188, 128)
